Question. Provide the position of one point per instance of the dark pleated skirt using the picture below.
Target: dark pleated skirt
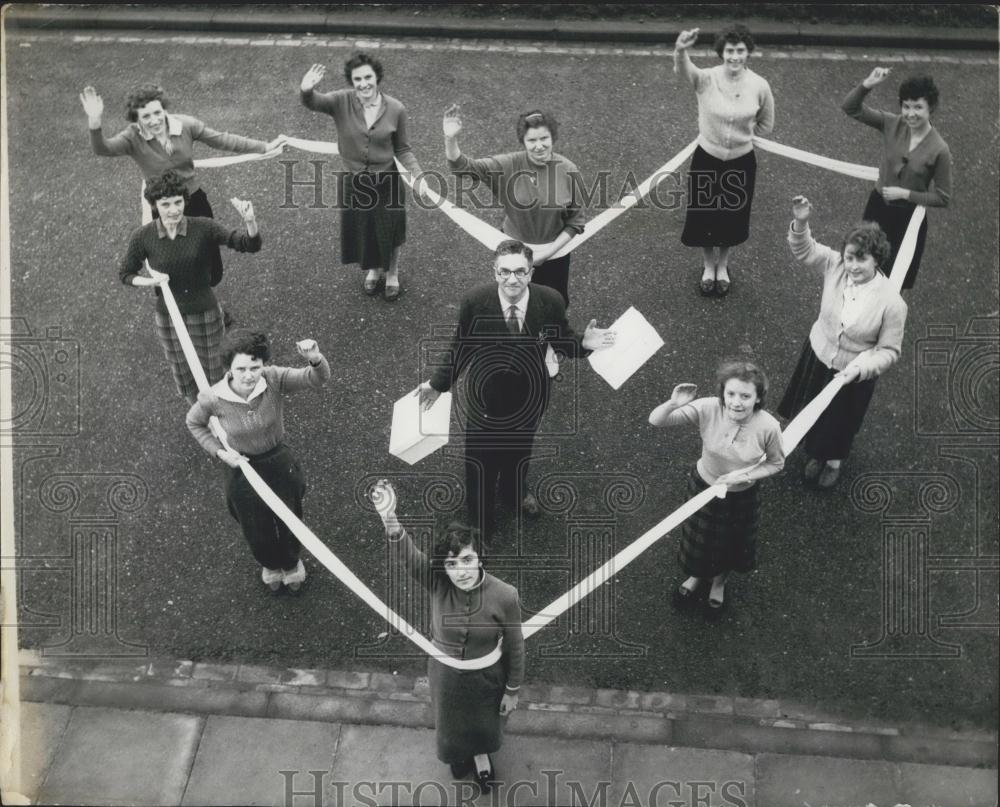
(894, 219)
(466, 710)
(719, 200)
(722, 536)
(372, 219)
(832, 436)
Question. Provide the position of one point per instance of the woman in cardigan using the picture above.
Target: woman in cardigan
(249, 404)
(470, 612)
(179, 250)
(159, 142)
(371, 134)
(734, 105)
(537, 188)
(741, 444)
(916, 162)
(857, 337)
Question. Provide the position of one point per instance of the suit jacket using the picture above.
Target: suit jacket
(506, 373)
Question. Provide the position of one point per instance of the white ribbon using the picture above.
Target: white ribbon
(839, 166)
(901, 264)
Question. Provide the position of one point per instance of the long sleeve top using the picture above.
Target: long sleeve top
(186, 258)
(925, 171)
(468, 624)
(256, 424)
(730, 113)
(728, 446)
(183, 131)
(365, 148)
(539, 202)
(873, 326)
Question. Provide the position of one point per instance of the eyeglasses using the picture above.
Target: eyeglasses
(518, 273)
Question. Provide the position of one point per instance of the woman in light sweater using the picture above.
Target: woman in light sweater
(734, 105)
(916, 162)
(857, 337)
(249, 405)
(741, 444)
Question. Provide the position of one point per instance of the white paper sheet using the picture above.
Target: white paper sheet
(416, 434)
(635, 342)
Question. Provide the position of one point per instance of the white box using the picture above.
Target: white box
(415, 434)
(635, 343)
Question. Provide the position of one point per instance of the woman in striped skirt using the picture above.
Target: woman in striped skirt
(741, 444)
(180, 253)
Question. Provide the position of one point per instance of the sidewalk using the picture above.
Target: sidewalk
(175, 732)
(425, 23)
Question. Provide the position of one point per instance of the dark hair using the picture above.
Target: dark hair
(359, 60)
(513, 247)
(451, 541)
(163, 187)
(252, 343)
(733, 35)
(868, 238)
(534, 119)
(742, 370)
(142, 96)
(917, 87)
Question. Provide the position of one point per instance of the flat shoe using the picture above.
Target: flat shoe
(459, 770)
(722, 287)
(371, 287)
(683, 597)
(391, 292)
(828, 477)
(812, 469)
(706, 288)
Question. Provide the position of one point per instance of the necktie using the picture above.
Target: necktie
(512, 324)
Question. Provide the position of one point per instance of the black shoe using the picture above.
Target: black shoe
(459, 770)
(486, 779)
(684, 597)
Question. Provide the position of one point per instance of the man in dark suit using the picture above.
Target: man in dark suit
(504, 331)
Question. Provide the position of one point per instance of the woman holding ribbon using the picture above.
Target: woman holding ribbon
(734, 105)
(537, 188)
(916, 162)
(741, 444)
(179, 251)
(472, 613)
(159, 142)
(249, 404)
(371, 135)
(857, 337)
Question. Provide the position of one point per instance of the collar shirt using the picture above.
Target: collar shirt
(371, 111)
(224, 391)
(856, 301)
(174, 128)
(520, 307)
(182, 228)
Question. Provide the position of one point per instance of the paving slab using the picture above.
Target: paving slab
(42, 727)
(794, 781)
(240, 759)
(940, 784)
(112, 756)
(654, 774)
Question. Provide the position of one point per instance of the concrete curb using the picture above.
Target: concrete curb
(698, 721)
(265, 19)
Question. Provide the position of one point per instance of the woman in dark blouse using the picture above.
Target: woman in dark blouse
(471, 612)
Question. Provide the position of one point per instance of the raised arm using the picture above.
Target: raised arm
(314, 376)
(805, 248)
(316, 101)
(683, 65)
(384, 498)
(854, 104)
(676, 411)
(93, 106)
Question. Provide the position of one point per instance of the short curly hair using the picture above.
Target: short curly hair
(733, 35)
(360, 60)
(141, 96)
(163, 187)
(917, 87)
(242, 340)
(533, 119)
(869, 239)
(742, 370)
(513, 247)
(451, 540)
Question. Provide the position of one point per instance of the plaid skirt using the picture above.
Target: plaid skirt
(206, 330)
(832, 436)
(894, 219)
(719, 199)
(466, 710)
(722, 536)
(372, 219)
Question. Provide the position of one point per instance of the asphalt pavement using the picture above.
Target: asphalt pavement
(810, 624)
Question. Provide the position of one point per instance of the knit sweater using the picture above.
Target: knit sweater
(183, 130)
(539, 202)
(729, 446)
(363, 147)
(876, 330)
(730, 113)
(255, 425)
(186, 258)
(929, 164)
